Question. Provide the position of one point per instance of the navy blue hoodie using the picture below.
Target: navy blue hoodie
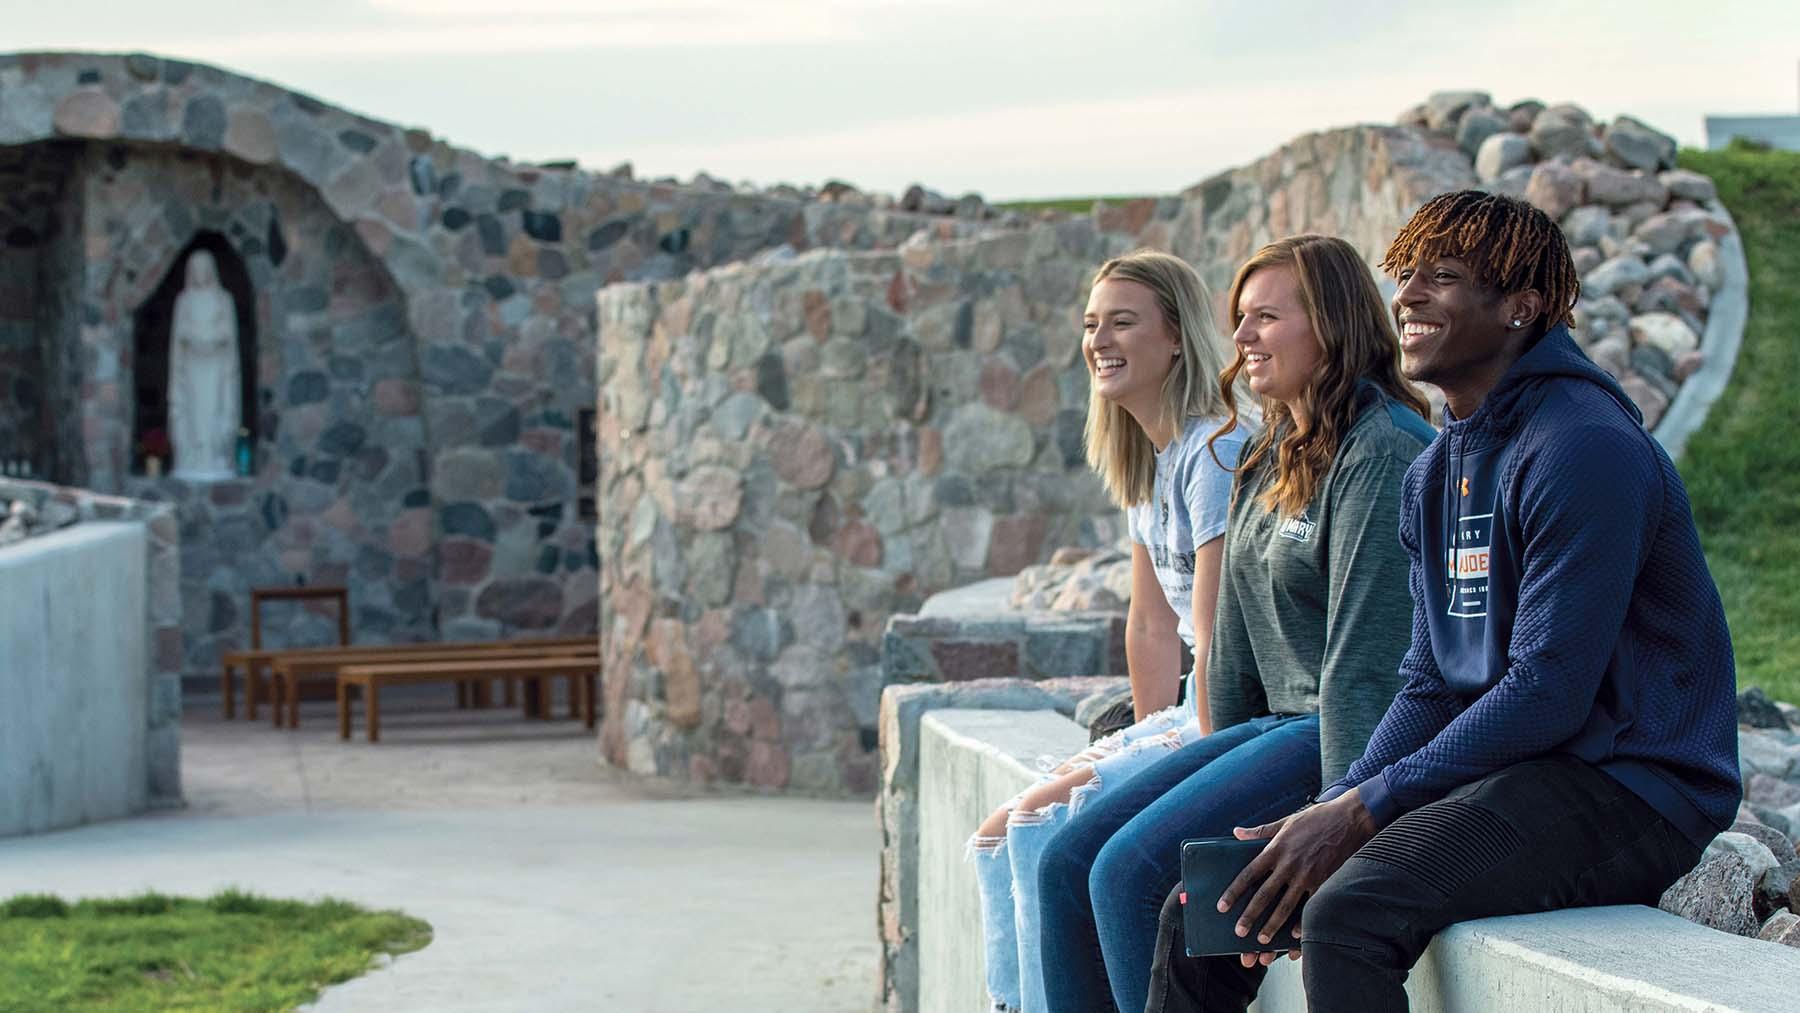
(1561, 604)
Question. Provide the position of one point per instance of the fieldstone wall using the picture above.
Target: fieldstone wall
(794, 451)
(425, 318)
(163, 654)
(1360, 183)
(1645, 235)
(705, 385)
(880, 428)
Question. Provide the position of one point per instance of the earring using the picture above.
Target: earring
(1518, 323)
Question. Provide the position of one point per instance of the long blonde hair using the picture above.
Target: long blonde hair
(1118, 449)
(1357, 342)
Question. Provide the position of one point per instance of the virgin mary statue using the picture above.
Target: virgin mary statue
(205, 398)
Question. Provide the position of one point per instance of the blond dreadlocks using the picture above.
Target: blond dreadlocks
(1509, 245)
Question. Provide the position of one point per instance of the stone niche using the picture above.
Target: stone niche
(152, 327)
(340, 486)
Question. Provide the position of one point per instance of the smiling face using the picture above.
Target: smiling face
(1128, 346)
(1454, 331)
(1281, 352)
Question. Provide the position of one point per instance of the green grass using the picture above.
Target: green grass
(1742, 468)
(233, 951)
(1076, 205)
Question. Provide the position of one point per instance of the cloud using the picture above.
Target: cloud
(387, 28)
(1145, 144)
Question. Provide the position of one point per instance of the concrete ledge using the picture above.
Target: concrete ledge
(1719, 345)
(969, 762)
(158, 622)
(72, 674)
(903, 708)
(1595, 960)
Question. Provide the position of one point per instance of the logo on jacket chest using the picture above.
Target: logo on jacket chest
(1466, 563)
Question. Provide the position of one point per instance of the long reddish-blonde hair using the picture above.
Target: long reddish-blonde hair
(1356, 342)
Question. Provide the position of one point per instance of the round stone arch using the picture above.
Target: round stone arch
(309, 273)
(341, 488)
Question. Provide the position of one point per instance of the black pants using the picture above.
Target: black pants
(1549, 833)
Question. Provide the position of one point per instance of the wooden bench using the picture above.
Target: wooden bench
(370, 678)
(291, 668)
(254, 663)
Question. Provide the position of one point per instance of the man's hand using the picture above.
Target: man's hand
(1308, 847)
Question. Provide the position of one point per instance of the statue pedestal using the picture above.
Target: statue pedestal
(203, 476)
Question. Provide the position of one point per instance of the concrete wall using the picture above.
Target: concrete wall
(897, 809)
(971, 760)
(72, 672)
(156, 619)
(1598, 960)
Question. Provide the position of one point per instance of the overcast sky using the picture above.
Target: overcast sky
(1012, 99)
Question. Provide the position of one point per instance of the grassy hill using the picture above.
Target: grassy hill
(1743, 467)
(1073, 205)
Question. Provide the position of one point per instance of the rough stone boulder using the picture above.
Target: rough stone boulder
(1500, 152)
(1076, 581)
(1720, 892)
(1636, 145)
(1615, 274)
(1782, 927)
(1666, 331)
(1555, 188)
(1476, 126)
(1754, 708)
(1445, 108)
(1563, 130)
(1778, 888)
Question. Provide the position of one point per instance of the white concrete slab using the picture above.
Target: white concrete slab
(1597, 960)
(76, 698)
(969, 762)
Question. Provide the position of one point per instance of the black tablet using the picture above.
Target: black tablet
(1208, 865)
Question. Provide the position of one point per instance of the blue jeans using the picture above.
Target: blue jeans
(1102, 879)
(1006, 868)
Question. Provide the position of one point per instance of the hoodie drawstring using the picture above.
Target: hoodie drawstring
(1452, 518)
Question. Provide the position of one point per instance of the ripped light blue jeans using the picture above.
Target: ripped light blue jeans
(1007, 867)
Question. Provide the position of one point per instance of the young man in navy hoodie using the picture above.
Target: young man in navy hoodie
(1566, 734)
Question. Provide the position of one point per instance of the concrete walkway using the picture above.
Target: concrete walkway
(550, 882)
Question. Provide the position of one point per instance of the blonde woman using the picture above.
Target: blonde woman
(1153, 356)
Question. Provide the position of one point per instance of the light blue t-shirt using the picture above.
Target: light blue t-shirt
(1186, 510)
